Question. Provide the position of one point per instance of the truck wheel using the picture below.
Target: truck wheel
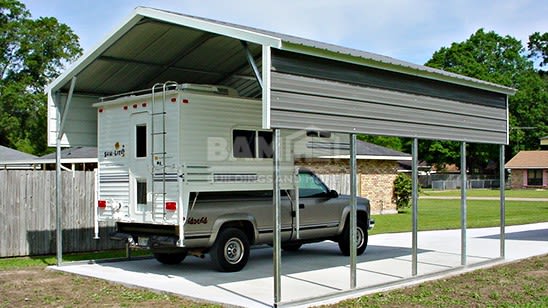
(230, 251)
(361, 238)
(291, 246)
(170, 258)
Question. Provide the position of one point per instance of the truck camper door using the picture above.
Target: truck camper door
(139, 169)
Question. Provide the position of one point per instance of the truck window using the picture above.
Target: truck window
(141, 140)
(311, 186)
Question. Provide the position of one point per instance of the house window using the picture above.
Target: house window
(534, 177)
(251, 144)
(141, 141)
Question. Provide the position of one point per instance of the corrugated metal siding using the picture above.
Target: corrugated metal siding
(301, 102)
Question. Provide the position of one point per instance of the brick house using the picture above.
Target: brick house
(529, 169)
(377, 169)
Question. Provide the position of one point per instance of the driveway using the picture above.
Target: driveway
(317, 273)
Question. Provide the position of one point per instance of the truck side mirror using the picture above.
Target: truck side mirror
(333, 194)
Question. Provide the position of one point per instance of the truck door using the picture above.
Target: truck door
(320, 210)
(139, 169)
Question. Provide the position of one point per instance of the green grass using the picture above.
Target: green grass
(513, 193)
(21, 262)
(445, 214)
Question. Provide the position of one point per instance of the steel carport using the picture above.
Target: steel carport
(302, 84)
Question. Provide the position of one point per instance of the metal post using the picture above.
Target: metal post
(415, 207)
(58, 180)
(463, 205)
(277, 255)
(353, 210)
(502, 203)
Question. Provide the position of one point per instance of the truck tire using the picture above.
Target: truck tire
(170, 258)
(230, 251)
(361, 238)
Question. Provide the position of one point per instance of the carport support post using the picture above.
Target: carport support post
(502, 184)
(463, 205)
(277, 255)
(353, 210)
(415, 207)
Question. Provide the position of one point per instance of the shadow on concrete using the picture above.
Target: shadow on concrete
(309, 258)
(540, 235)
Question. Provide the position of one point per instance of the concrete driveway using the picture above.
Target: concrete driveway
(317, 273)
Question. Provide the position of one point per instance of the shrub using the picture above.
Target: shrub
(403, 191)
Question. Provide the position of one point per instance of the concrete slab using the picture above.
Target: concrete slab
(318, 273)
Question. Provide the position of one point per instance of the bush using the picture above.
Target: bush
(403, 191)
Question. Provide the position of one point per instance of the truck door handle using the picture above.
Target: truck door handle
(301, 205)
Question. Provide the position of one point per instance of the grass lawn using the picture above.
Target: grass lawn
(513, 193)
(445, 214)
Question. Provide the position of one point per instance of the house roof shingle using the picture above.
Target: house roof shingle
(529, 160)
(7, 154)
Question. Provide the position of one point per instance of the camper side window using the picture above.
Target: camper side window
(251, 144)
(141, 140)
(141, 195)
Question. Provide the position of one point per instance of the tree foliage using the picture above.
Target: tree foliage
(502, 60)
(538, 47)
(32, 54)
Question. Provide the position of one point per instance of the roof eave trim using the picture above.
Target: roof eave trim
(221, 29)
(464, 81)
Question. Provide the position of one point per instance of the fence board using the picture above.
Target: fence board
(27, 213)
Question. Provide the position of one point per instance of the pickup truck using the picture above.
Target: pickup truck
(226, 224)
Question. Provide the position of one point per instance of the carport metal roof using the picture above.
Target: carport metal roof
(156, 45)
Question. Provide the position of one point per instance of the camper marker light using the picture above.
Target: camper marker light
(171, 205)
(173, 99)
(102, 204)
(185, 101)
(125, 107)
(100, 110)
(135, 106)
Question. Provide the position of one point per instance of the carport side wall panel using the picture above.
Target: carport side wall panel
(327, 69)
(81, 122)
(341, 107)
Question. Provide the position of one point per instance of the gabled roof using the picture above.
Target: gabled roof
(206, 51)
(529, 160)
(7, 154)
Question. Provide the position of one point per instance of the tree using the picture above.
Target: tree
(502, 60)
(538, 47)
(32, 54)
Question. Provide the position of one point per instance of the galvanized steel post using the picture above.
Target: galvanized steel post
(277, 255)
(353, 210)
(502, 184)
(463, 205)
(415, 205)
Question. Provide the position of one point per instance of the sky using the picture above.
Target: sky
(409, 30)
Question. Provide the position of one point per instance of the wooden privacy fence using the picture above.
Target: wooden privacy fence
(27, 213)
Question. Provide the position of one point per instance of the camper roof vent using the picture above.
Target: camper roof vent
(213, 89)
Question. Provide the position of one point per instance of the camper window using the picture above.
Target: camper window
(141, 195)
(141, 140)
(251, 144)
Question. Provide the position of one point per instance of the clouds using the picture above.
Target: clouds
(409, 30)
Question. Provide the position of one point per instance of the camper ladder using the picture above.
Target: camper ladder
(158, 148)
